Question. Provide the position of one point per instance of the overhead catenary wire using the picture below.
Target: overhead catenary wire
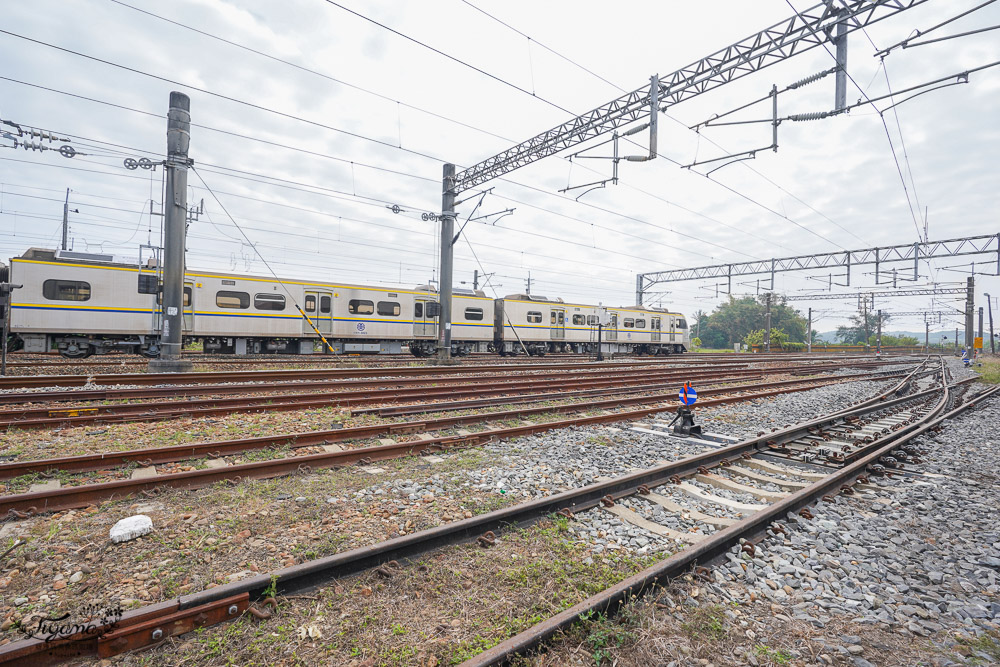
(533, 188)
(295, 302)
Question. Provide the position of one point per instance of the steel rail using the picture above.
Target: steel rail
(85, 495)
(159, 455)
(614, 598)
(327, 373)
(40, 417)
(320, 571)
(231, 388)
(20, 416)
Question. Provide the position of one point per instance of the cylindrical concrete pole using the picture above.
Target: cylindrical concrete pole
(447, 255)
(174, 232)
(767, 325)
(970, 304)
(809, 332)
(878, 335)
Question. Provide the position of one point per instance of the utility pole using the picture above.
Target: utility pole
(767, 325)
(840, 98)
(447, 262)
(175, 231)
(927, 335)
(809, 333)
(956, 341)
(5, 300)
(989, 306)
(878, 336)
(980, 330)
(527, 290)
(638, 289)
(970, 302)
(867, 327)
(65, 225)
(475, 279)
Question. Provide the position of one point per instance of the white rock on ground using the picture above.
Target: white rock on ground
(131, 527)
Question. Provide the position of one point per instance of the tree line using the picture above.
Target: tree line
(742, 320)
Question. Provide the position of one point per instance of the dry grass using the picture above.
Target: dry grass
(990, 372)
(655, 632)
(439, 610)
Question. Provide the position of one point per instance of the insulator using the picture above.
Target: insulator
(635, 130)
(816, 115)
(809, 79)
(637, 158)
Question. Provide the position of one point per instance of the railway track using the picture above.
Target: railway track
(333, 454)
(350, 394)
(301, 375)
(22, 361)
(876, 431)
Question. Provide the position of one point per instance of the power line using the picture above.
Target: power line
(451, 57)
(228, 98)
(309, 70)
(620, 89)
(545, 192)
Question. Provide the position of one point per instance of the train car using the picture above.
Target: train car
(84, 303)
(537, 325)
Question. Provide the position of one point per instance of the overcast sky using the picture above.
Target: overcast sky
(359, 118)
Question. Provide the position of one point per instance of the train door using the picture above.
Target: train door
(673, 329)
(318, 307)
(557, 323)
(655, 326)
(188, 306)
(424, 324)
(612, 331)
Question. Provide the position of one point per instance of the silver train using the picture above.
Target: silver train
(82, 304)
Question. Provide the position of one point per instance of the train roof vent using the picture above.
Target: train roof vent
(531, 297)
(84, 256)
(39, 253)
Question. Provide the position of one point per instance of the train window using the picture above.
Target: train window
(268, 302)
(239, 300)
(640, 324)
(387, 308)
(628, 323)
(187, 297)
(66, 290)
(360, 307)
(655, 323)
(578, 320)
(418, 310)
(534, 316)
(681, 324)
(310, 303)
(593, 320)
(324, 305)
(473, 313)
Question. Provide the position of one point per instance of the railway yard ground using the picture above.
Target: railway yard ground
(842, 510)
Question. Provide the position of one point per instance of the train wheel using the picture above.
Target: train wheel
(77, 351)
(150, 352)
